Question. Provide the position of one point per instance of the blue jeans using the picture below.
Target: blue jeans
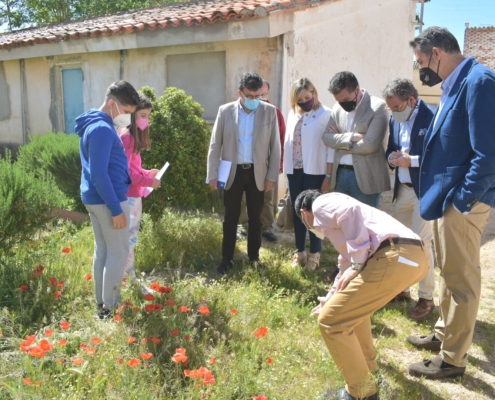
(347, 184)
(299, 182)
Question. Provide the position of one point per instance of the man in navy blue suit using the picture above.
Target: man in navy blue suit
(410, 120)
(457, 190)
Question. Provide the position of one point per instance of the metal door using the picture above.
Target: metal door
(72, 84)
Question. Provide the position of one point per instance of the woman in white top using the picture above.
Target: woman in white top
(307, 161)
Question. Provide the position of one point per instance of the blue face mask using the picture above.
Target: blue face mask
(251, 104)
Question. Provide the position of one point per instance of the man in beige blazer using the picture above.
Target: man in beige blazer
(357, 130)
(245, 133)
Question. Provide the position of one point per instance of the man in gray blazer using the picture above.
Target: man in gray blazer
(357, 130)
(245, 133)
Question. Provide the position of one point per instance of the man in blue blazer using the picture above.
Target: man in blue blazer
(457, 190)
(410, 120)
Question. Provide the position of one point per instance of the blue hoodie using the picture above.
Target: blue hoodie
(105, 173)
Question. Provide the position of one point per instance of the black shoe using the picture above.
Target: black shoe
(99, 307)
(343, 395)
(224, 267)
(268, 235)
(105, 313)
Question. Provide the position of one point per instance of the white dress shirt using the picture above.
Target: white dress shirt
(347, 159)
(405, 144)
(246, 128)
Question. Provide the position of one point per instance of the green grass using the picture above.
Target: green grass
(182, 252)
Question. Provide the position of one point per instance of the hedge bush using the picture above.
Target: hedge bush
(180, 136)
(57, 154)
(27, 202)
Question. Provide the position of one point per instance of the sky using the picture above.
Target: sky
(453, 15)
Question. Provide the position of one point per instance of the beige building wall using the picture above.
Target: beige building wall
(367, 37)
(11, 129)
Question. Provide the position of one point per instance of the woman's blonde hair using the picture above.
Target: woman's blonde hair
(296, 89)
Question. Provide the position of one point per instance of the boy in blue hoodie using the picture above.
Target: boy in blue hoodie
(104, 185)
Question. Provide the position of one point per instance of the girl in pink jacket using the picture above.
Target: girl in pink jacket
(135, 139)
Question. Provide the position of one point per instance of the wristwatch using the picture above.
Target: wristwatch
(357, 266)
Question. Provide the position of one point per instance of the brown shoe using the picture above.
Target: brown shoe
(404, 297)
(422, 309)
(435, 368)
(425, 342)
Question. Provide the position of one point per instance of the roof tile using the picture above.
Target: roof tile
(171, 15)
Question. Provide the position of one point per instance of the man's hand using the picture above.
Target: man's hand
(403, 161)
(348, 275)
(325, 186)
(119, 222)
(214, 183)
(316, 311)
(156, 183)
(269, 185)
(153, 173)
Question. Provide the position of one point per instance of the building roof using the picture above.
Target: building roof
(480, 43)
(171, 15)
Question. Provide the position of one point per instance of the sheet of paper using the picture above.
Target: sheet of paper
(407, 262)
(148, 190)
(223, 173)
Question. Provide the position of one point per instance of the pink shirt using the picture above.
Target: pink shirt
(355, 229)
(139, 176)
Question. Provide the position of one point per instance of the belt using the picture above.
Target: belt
(407, 184)
(399, 240)
(346, 166)
(244, 166)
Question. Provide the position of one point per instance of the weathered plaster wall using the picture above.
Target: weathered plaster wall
(38, 95)
(11, 128)
(368, 37)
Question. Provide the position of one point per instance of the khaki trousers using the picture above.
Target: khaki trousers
(407, 212)
(457, 243)
(345, 320)
(268, 213)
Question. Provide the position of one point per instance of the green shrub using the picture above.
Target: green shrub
(180, 136)
(27, 202)
(57, 153)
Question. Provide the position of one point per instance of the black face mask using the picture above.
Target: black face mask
(349, 105)
(428, 76)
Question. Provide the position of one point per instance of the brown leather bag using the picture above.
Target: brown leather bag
(285, 219)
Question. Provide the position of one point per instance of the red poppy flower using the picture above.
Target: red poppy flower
(260, 397)
(57, 294)
(45, 345)
(120, 360)
(136, 309)
(62, 343)
(213, 361)
(88, 277)
(37, 352)
(155, 286)
(146, 356)
(208, 379)
(170, 303)
(48, 332)
(149, 297)
(96, 340)
(1, 334)
(77, 361)
(83, 345)
(260, 333)
(269, 361)
(204, 310)
(165, 289)
(134, 362)
(149, 307)
(178, 357)
(37, 272)
(144, 340)
(233, 311)
(90, 350)
(64, 325)
(24, 288)
(117, 318)
(157, 307)
(187, 372)
(187, 337)
(60, 284)
(53, 281)
(184, 309)
(27, 381)
(155, 340)
(131, 340)
(175, 332)
(67, 250)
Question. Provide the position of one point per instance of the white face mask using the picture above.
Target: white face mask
(402, 116)
(319, 235)
(121, 120)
